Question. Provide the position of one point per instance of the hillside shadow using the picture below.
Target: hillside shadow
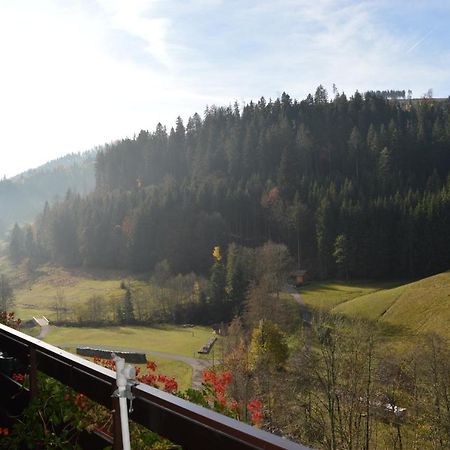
(342, 285)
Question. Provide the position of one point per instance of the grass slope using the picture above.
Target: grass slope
(421, 306)
(326, 295)
(37, 294)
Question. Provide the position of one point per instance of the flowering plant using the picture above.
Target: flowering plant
(151, 378)
(8, 318)
(57, 415)
(214, 395)
(141, 437)
(49, 420)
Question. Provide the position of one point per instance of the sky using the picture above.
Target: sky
(75, 74)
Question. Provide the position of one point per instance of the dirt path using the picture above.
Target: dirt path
(198, 365)
(304, 310)
(297, 297)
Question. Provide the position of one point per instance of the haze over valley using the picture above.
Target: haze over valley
(250, 202)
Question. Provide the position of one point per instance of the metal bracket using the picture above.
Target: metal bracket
(127, 393)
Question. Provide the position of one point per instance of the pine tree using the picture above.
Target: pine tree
(236, 282)
(341, 255)
(6, 294)
(127, 309)
(217, 287)
(16, 244)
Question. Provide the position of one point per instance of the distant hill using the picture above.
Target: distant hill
(356, 187)
(66, 161)
(24, 195)
(421, 306)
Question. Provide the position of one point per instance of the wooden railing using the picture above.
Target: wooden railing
(184, 423)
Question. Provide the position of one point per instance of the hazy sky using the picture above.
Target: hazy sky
(76, 74)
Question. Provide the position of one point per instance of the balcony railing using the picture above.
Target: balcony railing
(184, 423)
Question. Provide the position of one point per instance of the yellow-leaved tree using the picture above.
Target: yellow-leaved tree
(216, 253)
(268, 348)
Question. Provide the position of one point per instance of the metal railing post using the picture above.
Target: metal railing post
(117, 429)
(33, 373)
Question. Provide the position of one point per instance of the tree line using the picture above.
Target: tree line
(167, 297)
(353, 186)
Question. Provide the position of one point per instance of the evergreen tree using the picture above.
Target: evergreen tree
(6, 294)
(127, 310)
(236, 280)
(16, 244)
(217, 287)
(296, 173)
(341, 255)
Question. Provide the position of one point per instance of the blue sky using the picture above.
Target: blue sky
(76, 74)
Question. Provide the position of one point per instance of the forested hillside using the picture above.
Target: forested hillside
(357, 187)
(24, 196)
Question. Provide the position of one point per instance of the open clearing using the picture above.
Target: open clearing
(326, 295)
(35, 294)
(421, 306)
(404, 308)
(163, 339)
(76, 286)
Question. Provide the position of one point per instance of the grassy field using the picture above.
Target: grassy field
(167, 338)
(326, 295)
(181, 371)
(37, 294)
(421, 306)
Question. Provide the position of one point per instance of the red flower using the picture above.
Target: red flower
(254, 405)
(170, 385)
(19, 377)
(209, 377)
(257, 418)
(227, 377)
(256, 414)
(221, 399)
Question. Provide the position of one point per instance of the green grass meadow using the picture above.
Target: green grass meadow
(165, 338)
(326, 295)
(403, 308)
(421, 306)
(35, 296)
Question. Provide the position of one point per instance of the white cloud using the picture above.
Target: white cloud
(79, 73)
(137, 18)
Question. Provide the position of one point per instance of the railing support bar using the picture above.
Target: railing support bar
(117, 429)
(33, 373)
